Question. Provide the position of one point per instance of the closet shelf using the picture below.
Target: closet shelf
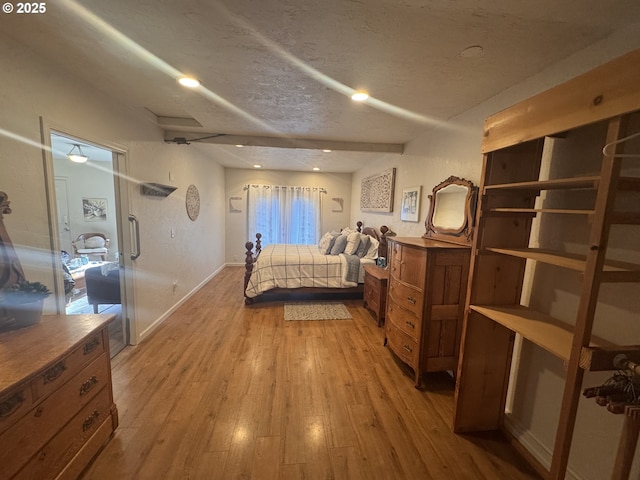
(534, 211)
(589, 182)
(543, 330)
(613, 271)
(572, 183)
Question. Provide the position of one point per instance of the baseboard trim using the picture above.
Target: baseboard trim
(530, 448)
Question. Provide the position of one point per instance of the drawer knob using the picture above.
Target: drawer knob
(91, 345)
(88, 385)
(91, 419)
(407, 348)
(11, 404)
(54, 372)
(411, 300)
(409, 324)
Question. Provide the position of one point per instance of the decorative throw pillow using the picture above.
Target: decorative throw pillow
(353, 240)
(372, 253)
(324, 243)
(364, 245)
(94, 242)
(339, 245)
(334, 235)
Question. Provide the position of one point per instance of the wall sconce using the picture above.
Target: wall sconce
(76, 154)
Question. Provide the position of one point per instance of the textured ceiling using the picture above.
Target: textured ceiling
(286, 68)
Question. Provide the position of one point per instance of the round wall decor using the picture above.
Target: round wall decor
(193, 202)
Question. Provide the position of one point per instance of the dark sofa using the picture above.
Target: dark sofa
(102, 289)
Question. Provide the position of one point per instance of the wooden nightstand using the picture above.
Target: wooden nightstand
(375, 291)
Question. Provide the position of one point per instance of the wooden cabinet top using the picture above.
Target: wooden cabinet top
(375, 271)
(425, 243)
(26, 351)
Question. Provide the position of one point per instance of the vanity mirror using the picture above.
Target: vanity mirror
(452, 211)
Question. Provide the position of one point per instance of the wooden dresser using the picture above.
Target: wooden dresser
(375, 291)
(425, 302)
(56, 398)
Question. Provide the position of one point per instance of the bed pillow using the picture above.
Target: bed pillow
(353, 240)
(339, 245)
(334, 235)
(323, 245)
(372, 253)
(94, 242)
(364, 245)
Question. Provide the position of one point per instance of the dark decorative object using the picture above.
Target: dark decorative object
(22, 304)
(156, 189)
(20, 300)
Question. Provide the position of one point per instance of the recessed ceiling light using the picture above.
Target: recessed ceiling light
(189, 82)
(257, 166)
(359, 96)
(315, 169)
(326, 150)
(474, 51)
(239, 146)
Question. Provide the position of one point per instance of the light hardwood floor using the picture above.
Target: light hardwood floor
(224, 391)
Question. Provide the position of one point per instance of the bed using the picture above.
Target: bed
(335, 265)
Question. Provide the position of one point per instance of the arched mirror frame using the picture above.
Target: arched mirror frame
(464, 234)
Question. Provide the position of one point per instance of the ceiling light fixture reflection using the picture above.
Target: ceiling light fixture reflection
(326, 150)
(359, 96)
(239, 146)
(189, 82)
(316, 169)
(76, 154)
(257, 166)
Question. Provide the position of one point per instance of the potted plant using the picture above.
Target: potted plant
(22, 304)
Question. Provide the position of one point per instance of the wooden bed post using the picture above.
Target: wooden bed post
(248, 265)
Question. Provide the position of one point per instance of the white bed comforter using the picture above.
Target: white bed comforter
(296, 266)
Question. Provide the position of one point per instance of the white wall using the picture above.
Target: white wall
(32, 87)
(338, 185)
(441, 152)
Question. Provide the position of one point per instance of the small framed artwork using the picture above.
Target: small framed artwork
(410, 211)
(95, 209)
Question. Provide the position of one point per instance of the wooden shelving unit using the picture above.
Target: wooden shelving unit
(513, 147)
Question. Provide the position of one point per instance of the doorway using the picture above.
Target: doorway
(87, 203)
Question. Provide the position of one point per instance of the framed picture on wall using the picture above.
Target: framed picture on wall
(410, 211)
(95, 209)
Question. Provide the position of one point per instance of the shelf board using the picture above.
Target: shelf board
(545, 331)
(613, 271)
(590, 182)
(540, 210)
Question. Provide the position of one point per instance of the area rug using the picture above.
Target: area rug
(315, 311)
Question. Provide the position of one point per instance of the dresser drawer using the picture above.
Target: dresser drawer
(406, 297)
(63, 370)
(14, 405)
(404, 320)
(402, 345)
(54, 456)
(25, 437)
(408, 264)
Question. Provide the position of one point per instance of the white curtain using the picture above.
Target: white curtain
(284, 214)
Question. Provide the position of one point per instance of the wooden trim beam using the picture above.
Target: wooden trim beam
(281, 142)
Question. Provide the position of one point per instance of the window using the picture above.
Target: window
(284, 214)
